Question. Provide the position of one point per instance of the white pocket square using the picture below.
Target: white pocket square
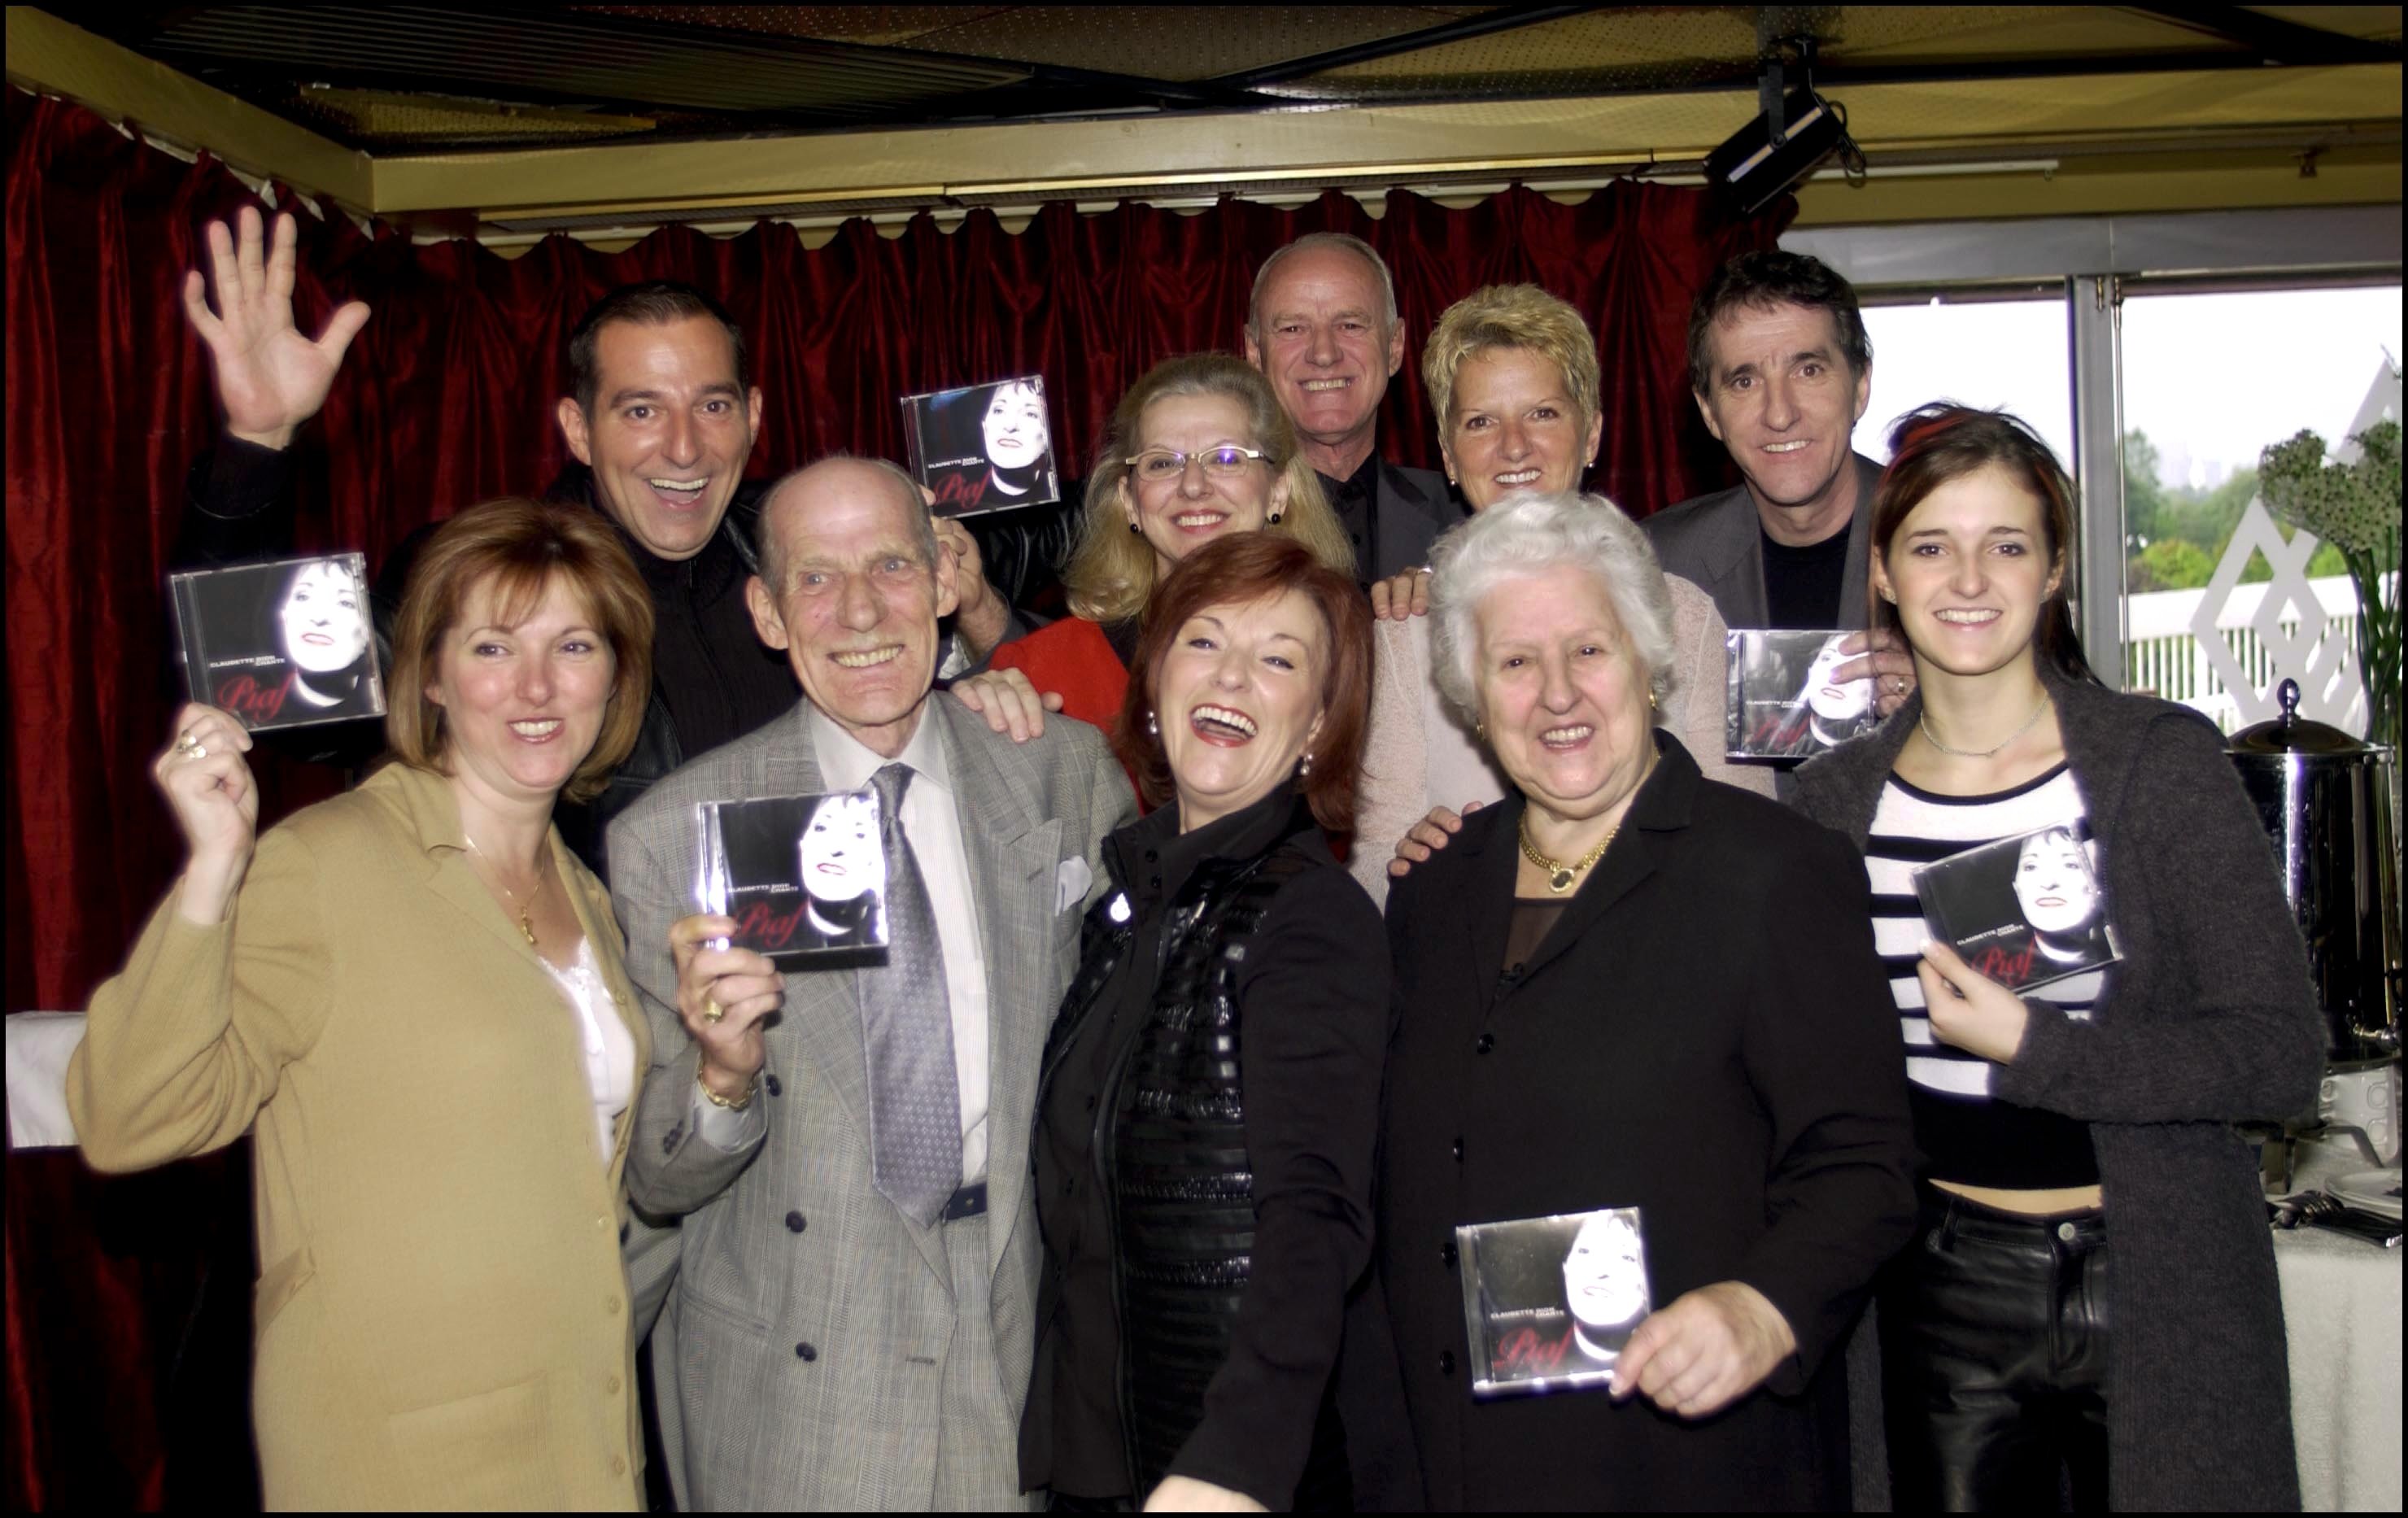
(1071, 882)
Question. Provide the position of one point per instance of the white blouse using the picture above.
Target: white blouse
(609, 1048)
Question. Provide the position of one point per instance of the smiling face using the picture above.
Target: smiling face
(523, 702)
(1835, 700)
(1515, 428)
(1605, 1276)
(1780, 397)
(1014, 427)
(1562, 697)
(856, 613)
(2054, 885)
(1970, 570)
(323, 619)
(669, 433)
(1179, 515)
(842, 856)
(1321, 335)
(1239, 700)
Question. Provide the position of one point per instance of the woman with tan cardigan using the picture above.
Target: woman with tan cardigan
(413, 995)
(1512, 376)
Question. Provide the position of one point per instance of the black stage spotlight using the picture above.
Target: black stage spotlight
(1797, 130)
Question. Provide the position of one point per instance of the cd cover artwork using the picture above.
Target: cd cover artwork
(983, 448)
(2025, 910)
(284, 644)
(1548, 1303)
(804, 876)
(1783, 703)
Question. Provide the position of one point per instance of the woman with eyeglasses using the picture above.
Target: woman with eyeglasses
(1199, 448)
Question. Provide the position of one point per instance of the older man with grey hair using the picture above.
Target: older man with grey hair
(1322, 328)
(846, 1149)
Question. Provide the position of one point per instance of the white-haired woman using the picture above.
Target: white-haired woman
(1628, 987)
(1513, 374)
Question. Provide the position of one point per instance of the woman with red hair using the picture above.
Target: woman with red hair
(1211, 1091)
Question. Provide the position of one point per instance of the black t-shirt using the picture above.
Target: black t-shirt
(1802, 585)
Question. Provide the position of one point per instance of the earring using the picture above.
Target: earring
(1137, 530)
(1651, 700)
(1154, 729)
(1272, 519)
(1480, 731)
(1305, 768)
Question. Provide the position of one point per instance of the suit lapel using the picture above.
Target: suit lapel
(592, 909)
(1855, 609)
(1738, 560)
(1494, 856)
(1012, 853)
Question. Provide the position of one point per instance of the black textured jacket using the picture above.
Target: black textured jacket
(1206, 1121)
(2208, 1020)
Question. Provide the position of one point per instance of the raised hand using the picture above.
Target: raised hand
(269, 377)
(209, 788)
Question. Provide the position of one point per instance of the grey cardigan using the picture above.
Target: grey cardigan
(2208, 1020)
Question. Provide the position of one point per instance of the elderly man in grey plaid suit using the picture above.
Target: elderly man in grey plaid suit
(856, 1263)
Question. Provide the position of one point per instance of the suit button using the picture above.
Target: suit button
(1068, 1185)
(1458, 1151)
(1485, 1042)
(795, 1222)
(602, 1223)
(610, 1306)
(1446, 1255)
(770, 1081)
(806, 1354)
(611, 1384)
(618, 1464)
(1446, 1362)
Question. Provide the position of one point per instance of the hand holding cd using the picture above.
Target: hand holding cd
(209, 788)
(1969, 1010)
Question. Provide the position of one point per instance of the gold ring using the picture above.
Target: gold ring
(711, 1011)
(188, 747)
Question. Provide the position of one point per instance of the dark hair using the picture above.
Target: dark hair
(520, 548)
(1943, 441)
(1768, 277)
(1240, 568)
(654, 303)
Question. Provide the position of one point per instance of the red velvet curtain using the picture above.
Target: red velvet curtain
(447, 399)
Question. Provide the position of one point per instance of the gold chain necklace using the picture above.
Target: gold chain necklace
(526, 922)
(1923, 719)
(1560, 876)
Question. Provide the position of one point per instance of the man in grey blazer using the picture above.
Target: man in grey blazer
(1322, 328)
(856, 1256)
(1782, 369)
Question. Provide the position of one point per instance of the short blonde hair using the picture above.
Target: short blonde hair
(1112, 574)
(1510, 316)
(520, 548)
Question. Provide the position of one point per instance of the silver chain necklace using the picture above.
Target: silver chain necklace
(1923, 719)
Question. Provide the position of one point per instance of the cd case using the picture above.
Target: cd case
(1548, 1303)
(983, 448)
(282, 644)
(2024, 911)
(1782, 702)
(804, 876)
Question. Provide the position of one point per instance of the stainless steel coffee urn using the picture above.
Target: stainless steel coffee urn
(2316, 789)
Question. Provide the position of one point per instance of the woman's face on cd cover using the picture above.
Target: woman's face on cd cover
(323, 619)
(1605, 1281)
(1833, 700)
(1014, 426)
(2054, 885)
(840, 849)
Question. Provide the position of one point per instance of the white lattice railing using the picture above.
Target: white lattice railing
(2162, 658)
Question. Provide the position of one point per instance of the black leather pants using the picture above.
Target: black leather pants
(1993, 1362)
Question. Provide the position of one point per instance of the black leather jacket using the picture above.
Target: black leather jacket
(1172, 1159)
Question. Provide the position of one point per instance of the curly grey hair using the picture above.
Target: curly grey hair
(1530, 535)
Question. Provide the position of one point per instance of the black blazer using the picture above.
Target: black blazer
(1411, 508)
(1706, 1034)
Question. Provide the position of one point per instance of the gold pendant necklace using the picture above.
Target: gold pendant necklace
(1560, 876)
(526, 921)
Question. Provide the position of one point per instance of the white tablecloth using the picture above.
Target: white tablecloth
(2341, 1308)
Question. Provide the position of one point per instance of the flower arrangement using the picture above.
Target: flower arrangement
(2355, 508)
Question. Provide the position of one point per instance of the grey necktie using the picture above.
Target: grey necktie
(907, 1029)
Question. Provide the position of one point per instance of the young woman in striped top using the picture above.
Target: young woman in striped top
(2014, 1354)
